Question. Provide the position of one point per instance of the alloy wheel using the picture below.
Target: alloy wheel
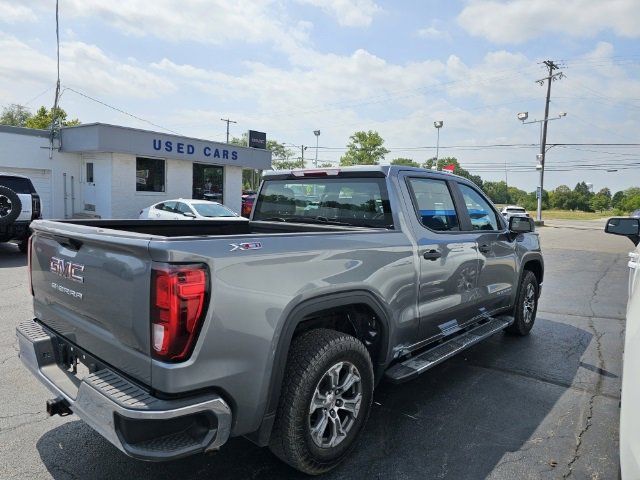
(529, 303)
(335, 405)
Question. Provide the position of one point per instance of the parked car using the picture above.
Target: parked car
(19, 205)
(277, 329)
(248, 199)
(188, 209)
(513, 211)
(629, 415)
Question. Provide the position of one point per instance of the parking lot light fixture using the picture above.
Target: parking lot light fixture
(438, 124)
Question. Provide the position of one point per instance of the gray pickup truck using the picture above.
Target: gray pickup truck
(170, 337)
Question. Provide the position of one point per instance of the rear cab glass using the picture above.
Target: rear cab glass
(433, 203)
(359, 202)
(17, 184)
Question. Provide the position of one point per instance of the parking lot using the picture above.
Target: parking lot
(543, 406)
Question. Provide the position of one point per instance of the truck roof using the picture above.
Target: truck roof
(382, 170)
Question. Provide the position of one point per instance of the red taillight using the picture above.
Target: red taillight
(179, 294)
(29, 244)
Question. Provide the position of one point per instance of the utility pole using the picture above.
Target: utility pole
(228, 122)
(543, 143)
(302, 149)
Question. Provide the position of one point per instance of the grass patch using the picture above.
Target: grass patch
(573, 215)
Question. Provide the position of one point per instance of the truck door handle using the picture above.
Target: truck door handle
(484, 248)
(431, 255)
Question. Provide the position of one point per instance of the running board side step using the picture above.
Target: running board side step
(414, 366)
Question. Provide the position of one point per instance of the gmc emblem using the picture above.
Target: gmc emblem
(67, 269)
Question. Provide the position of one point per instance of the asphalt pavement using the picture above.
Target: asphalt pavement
(543, 406)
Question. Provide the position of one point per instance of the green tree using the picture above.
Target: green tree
(364, 148)
(406, 162)
(617, 198)
(44, 118)
(497, 191)
(599, 202)
(562, 198)
(631, 200)
(15, 115)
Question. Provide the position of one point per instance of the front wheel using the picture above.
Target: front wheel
(325, 400)
(526, 305)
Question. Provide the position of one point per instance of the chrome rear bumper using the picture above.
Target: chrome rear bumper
(140, 425)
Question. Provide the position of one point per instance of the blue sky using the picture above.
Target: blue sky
(289, 68)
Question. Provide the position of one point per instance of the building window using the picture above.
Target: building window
(208, 182)
(150, 175)
(89, 172)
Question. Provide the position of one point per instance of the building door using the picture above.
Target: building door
(88, 186)
(208, 182)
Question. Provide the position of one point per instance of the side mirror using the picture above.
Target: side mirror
(521, 225)
(189, 214)
(626, 226)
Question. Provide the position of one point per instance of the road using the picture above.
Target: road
(544, 406)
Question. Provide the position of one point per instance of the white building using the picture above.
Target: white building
(114, 172)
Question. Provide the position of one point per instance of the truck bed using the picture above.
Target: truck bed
(190, 228)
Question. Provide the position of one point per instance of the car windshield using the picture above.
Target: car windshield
(359, 202)
(17, 184)
(515, 210)
(212, 210)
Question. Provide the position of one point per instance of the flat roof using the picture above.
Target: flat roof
(33, 132)
(104, 137)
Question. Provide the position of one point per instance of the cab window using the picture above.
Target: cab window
(433, 204)
(483, 217)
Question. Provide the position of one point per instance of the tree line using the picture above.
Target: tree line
(20, 116)
(367, 148)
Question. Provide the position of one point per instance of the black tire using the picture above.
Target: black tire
(10, 206)
(313, 356)
(526, 306)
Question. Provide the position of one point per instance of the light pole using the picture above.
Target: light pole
(523, 116)
(317, 134)
(438, 124)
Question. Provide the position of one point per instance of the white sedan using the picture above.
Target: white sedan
(188, 209)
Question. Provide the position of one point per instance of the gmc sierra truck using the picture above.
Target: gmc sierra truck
(168, 338)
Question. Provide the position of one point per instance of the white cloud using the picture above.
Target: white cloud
(10, 12)
(83, 66)
(213, 22)
(520, 20)
(348, 13)
(435, 31)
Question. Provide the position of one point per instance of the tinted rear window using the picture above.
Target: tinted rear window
(17, 184)
(360, 202)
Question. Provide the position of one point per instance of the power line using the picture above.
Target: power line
(118, 109)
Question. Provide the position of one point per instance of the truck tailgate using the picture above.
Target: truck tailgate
(93, 289)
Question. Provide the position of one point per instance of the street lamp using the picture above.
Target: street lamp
(317, 134)
(438, 124)
(523, 116)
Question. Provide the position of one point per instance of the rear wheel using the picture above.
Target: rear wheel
(10, 206)
(325, 400)
(526, 305)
